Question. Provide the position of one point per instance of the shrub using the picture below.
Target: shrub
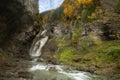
(62, 43)
(67, 54)
(113, 52)
(84, 14)
(89, 7)
(85, 43)
(76, 35)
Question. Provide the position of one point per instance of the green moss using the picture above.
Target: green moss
(112, 52)
(105, 54)
(67, 54)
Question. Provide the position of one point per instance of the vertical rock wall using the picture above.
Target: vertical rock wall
(30, 5)
(17, 27)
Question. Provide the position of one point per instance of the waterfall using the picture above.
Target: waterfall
(38, 43)
(45, 71)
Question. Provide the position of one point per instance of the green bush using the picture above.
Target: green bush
(88, 9)
(113, 52)
(97, 59)
(84, 15)
(76, 35)
(67, 54)
(85, 43)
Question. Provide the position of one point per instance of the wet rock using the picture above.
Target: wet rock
(41, 60)
(52, 69)
(54, 61)
(24, 74)
(68, 68)
(15, 70)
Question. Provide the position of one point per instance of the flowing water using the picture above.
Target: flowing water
(44, 71)
(36, 48)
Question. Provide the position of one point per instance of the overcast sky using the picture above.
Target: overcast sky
(45, 5)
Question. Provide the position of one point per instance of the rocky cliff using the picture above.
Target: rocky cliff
(30, 5)
(84, 39)
(17, 27)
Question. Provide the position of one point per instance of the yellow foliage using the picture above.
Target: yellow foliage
(71, 8)
(87, 2)
(79, 1)
(92, 16)
(68, 11)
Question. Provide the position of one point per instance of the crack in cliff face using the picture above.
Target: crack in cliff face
(16, 24)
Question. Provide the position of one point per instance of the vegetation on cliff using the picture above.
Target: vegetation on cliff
(89, 37)
(82, 33)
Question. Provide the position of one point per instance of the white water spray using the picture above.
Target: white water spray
(42, 70)
(73, 74)
(37, 46)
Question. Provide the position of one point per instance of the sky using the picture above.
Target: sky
(45, 5)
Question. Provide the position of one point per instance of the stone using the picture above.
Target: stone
(52, 69)
(24, 74)
(17, 28)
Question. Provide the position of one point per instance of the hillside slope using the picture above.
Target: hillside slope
(85, 35)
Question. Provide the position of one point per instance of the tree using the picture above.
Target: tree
(89, 7)
(69, 11)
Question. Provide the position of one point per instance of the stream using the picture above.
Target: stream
(45, 71)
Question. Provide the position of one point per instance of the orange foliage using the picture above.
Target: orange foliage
(69, 10)
(73, 8)
(87, 2)
(79, 1)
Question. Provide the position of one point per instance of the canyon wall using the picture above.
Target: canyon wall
(17, 25)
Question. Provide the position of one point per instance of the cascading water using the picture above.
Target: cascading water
(42, 71)
(69, 74)
(38, 43)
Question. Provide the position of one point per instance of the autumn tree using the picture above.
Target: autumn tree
(89, 7)
(71, 9)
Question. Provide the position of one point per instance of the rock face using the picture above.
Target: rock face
(31, 5)
(106, 27)
(17, 28)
